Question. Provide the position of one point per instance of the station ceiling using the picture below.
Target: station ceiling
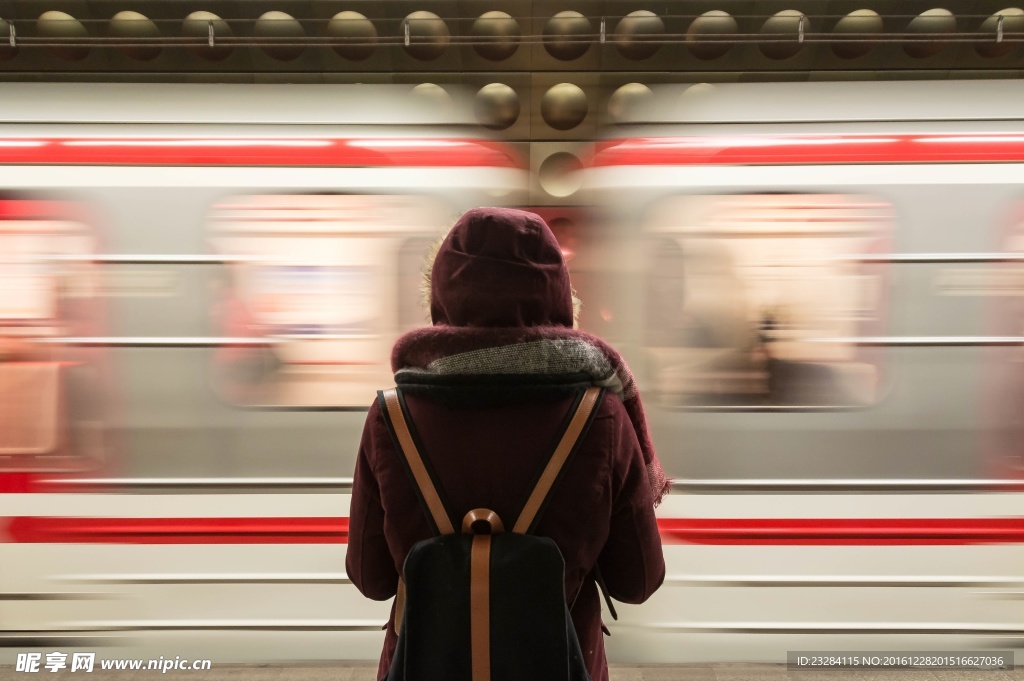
(381, 38)
(547, 75)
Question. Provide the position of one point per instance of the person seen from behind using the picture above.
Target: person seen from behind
(488, 387)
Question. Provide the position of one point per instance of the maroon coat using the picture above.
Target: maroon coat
(601, 512)
(486, 452)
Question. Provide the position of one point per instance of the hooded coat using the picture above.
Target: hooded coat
(501, 269)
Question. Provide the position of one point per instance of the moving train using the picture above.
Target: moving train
(817, 285)
(831, 332)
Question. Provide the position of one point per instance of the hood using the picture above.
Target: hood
(500, 267)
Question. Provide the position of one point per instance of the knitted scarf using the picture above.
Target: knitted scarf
(539, 352)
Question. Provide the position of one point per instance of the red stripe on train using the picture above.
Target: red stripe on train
(50, 530)
(326, 152)
(843, 531)
(722, 531)
(810, 149)
(18, 483)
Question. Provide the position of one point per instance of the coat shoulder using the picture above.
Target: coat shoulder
(612, 408)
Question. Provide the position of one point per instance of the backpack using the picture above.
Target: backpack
(484, 604)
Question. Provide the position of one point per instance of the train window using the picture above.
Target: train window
(26, 293)
(313, 292)
(50, 395)
(750, 298)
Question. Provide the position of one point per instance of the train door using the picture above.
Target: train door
(314, 290)
(51, 393)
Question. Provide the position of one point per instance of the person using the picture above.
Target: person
(488, 387)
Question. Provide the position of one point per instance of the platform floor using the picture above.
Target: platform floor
(361, 672)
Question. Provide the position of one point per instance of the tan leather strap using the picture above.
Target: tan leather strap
(419, 471)
(399, 605)
(550, 474)
(480, 607)
(481, 523)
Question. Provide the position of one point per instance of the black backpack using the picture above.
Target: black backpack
(483, 604)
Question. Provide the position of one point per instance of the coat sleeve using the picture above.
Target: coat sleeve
(631, 562)
(368, 562)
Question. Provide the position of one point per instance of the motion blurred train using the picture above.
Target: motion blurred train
(819, 287)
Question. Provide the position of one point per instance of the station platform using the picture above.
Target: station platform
(690, 672)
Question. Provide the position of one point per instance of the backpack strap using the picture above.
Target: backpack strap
(405, 444)
(566, 446)
(399, 427)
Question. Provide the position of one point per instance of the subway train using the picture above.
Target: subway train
(817, 285)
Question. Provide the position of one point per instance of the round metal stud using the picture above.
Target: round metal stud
(568, 35)
(357, 34)
(131, 26)
(785, 30)
(209, 28)
(427, 34)
(61, 26)
(628, 101)
(559, 174)
(564, 106)
(1009, 20)
(496, 106)
(933, 21)
(861, 22)
(706, 38)
(283, 28)
(637, 33)
(496, 36)
(435, 96)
